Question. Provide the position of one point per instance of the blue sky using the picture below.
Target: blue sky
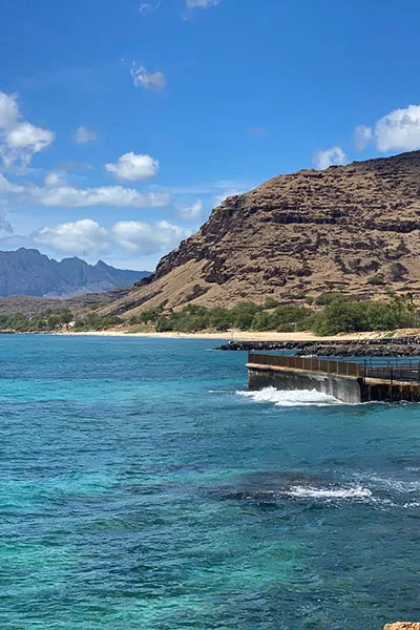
(122, 124)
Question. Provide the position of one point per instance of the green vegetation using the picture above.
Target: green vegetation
(377, 280)
(57, 320)
(340, 314)
(48, 322)
(326, 298)
(347, 316)
(95, 322)
(243, 316)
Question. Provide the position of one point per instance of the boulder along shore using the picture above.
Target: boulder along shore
(391, 347)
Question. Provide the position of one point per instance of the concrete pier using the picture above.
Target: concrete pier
(349, 382)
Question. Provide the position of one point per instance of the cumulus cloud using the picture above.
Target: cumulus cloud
(83, 135)
(362, 137)
(56, 192)
(110, 196)
(333, 156)
(400, 130)
(87, 236)
(74, 238)
(9, 110)
(19, 139)
(202, 4)
(131, 167)
(146, 239)
(55, 178)
(190, 212)
(153, 81)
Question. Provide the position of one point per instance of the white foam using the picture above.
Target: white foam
(290, 398)
(396, 485)
(311, 492)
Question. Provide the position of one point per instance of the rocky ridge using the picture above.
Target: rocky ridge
(349, 228)
(27, 272)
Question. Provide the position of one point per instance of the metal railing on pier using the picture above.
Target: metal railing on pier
(391, 370)
(404, 371)
(312, 364)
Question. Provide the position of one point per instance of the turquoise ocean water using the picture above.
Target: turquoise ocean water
(142, 488)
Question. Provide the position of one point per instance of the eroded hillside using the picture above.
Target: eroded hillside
(352, 228)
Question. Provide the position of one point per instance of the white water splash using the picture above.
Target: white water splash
(311, 492)
(290, 398)
(393, 485)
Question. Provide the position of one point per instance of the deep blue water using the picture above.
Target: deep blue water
(139, 490)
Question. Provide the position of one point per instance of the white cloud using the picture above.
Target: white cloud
(9, 110)
(149, 7)
(146, 7)
(202, 4)
(58, 193)
(111, 196)
(87, 236)
(153, 81)
(399, 129)
(55, 178)
(146, 239)
(7, 187)
(83, 135)
(65, 166)
(74, 238)
(5, 225)
(25, 135)
(131, 167)
(190, 212)
(19, 139)
(362, 137)
(334, 156)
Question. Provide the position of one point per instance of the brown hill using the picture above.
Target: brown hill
(350, 228)
(32, 306)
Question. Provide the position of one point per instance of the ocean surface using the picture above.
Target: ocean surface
(142, 487)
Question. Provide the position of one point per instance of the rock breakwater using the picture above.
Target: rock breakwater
(397, 347)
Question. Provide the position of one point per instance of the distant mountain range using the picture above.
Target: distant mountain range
(28, 272)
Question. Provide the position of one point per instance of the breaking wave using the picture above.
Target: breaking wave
(290, 398)
(311, 492)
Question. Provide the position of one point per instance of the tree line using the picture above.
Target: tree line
(339, 314)
(329, 314)
(55, 321)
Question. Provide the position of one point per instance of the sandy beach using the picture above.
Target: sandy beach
(249, 335)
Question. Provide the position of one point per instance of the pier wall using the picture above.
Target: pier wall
(389, 391)
(349, 382)
(346, 389)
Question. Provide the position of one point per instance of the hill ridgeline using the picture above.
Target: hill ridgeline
(353, 229)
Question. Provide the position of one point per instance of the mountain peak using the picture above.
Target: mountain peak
(31, 273)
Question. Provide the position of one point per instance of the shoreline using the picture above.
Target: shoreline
(250, 335)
